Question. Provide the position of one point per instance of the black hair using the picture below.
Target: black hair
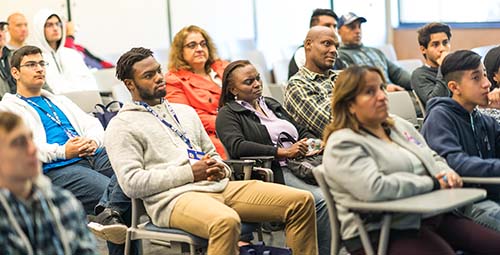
(128, 59)
(492, 63)
(456, 63)
(227, 81)
(18, 55)
(321, 12)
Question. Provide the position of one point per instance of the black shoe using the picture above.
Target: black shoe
(109, 226)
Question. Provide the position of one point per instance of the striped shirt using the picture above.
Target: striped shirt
(308, 98)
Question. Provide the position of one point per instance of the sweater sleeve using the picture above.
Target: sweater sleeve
(427, 85)
(350, 166)
(230, 132)
(398, 75)
(444, 139)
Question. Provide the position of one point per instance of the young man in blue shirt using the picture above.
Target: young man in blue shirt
(69, 142)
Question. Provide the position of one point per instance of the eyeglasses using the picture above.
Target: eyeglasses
(51, 24)
(32, 64)
(194, 45)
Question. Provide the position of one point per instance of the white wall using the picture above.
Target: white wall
(374, 30)
(224, 20)
(283, 24)
(29, 8)
(110, 27)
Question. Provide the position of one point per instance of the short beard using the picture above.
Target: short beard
(146, 96)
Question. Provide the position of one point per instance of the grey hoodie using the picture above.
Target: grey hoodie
(66, 71)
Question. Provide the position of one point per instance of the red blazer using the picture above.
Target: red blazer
(186, 87)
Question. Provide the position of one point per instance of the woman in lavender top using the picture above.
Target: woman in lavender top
(249, 124)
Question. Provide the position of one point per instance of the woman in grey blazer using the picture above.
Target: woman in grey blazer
(373, 156)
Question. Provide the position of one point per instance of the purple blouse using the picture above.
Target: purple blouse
(273, 124)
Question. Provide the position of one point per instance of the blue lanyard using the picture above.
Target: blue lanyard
(177, 131)
(54, 117)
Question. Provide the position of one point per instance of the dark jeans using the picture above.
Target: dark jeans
(444, 234)
(93, 183)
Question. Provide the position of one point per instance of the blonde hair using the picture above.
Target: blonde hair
(176, 58)
(349, 84)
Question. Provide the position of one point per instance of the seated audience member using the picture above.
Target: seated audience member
(308, 93)
(195, 77)
(319, 17)
(353, 52)
(7, 82)
(427, 80)
(192, 193)
(467, 139)
(69, 141)
(35, 217)
(492, 65)
(359, 164)
(91, 60)
(250, 125)
(18, 30)
(66, 70)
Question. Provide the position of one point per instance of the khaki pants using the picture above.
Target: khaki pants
(217, 216)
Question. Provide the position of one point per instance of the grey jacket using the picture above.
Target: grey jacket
(151, 161)
(362, 167)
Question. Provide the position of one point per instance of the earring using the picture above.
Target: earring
(236, 97)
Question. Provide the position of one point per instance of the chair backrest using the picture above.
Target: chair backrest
(483, 49)
(121, 93)
(276, 91)
(400, 104)
(319, 174)
(85, 99)
(106, 79)
(240, 45)
(138, 210)
(259, 61)
(280, 71)
(410, 64)
(389, 52)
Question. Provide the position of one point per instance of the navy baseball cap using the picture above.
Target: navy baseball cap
(349, 18)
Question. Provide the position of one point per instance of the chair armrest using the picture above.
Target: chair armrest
(246, 166)
(435, 202)
(266, 160)
(265, 172)
(481, 180)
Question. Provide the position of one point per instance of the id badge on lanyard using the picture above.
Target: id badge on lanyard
(195, 155)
